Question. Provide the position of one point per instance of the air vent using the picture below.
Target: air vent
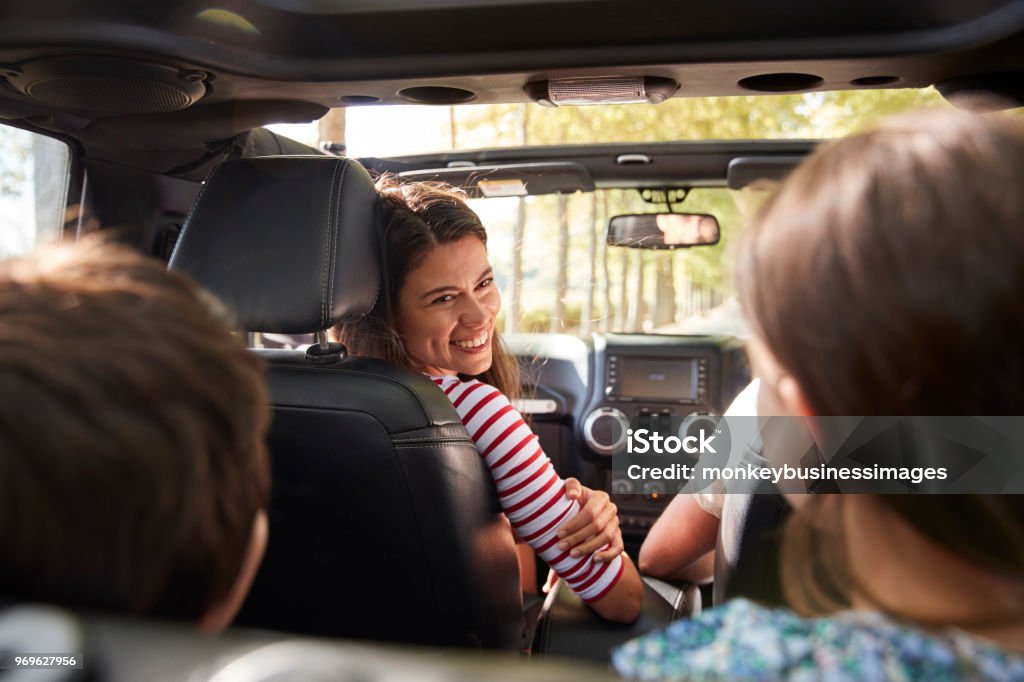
(359, 99)
(108, 85)
(781, 82)
(436, 94)
(875, 81)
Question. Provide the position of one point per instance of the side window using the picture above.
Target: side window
(34, 173)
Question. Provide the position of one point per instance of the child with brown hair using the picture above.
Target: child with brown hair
(886, 277)
(133, 470)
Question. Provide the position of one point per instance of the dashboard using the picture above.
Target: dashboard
(582, 395)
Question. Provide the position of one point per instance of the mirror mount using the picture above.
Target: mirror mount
(669, 196)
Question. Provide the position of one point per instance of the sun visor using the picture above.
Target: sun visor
(746, 170)
(510, 180)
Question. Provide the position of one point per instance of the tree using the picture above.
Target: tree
(559, 313)
(664, 290)
(587, 316)
(686, 282)
(621, 320)
(637, 308)
(606, 284)
(331, 128)
(15, 161)
(518, 234)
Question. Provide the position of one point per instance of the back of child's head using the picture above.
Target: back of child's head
(132, 425)
(886, 277)
(887, 274)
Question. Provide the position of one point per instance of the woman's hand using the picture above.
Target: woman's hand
(595, 526)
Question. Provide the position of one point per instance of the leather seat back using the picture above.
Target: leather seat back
(384, 521)
(747, 550)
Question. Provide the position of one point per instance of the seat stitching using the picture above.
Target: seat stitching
(427, 440)
(192, 209)
(425, 446)
(327, 258)
(334, 249)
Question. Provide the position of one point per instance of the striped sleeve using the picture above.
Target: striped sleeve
(532, 493)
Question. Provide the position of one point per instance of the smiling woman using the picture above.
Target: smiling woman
(448, 327)
(437, 314)
(428, 232)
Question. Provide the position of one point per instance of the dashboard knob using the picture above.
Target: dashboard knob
(654, 489)
(604, 430)
(695, 422)
(622, 486)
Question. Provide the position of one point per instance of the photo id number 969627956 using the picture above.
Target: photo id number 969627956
(35, 661)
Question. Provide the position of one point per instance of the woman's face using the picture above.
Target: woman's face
(447, 309)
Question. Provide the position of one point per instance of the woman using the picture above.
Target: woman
(437, 314)
(885, 278)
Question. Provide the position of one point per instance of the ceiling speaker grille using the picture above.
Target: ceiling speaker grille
(108, 85)
(107, 94)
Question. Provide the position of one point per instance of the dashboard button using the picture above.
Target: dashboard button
(604, 430)
(622, 486)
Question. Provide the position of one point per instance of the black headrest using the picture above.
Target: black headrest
(288, 243)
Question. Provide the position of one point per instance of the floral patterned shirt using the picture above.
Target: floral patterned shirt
(743, 641)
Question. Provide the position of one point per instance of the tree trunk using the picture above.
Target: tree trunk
(636, 310)
(606, 317)
(559, 313)
(621, 319)
(664, 291)
(587, 317)
(687, 291)
(331, 127)
(515, 312)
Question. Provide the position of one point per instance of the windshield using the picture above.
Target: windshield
(557, 274)
(548, 252)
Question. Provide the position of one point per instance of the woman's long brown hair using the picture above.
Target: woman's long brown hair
(414, 219)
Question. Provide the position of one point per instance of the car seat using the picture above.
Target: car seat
(747, 550)
(384, 521)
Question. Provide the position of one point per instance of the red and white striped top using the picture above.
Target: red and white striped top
(532, 493)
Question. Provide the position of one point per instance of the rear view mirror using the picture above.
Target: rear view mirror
(663, 230)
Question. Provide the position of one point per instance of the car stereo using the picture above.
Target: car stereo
(660, 380)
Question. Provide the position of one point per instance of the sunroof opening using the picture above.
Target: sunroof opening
(408, 129)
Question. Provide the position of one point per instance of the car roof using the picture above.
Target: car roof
(326, 49)
(602, 166)
(168, 87)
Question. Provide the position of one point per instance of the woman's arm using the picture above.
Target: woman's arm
(679, 539)
(596, 526)
(622, 602)
(534, 499)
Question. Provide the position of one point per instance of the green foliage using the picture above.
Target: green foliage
(698, 273)
(15, 160)
(812, 115)
(538, 319)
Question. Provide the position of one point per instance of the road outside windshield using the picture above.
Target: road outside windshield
(548, 252)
